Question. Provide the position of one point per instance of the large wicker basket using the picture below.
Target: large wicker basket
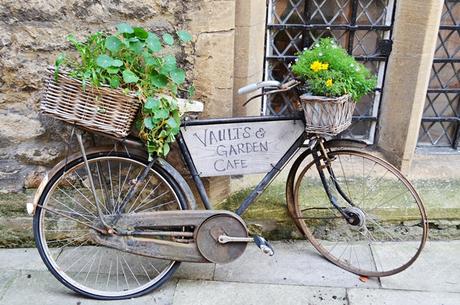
(327, 116)
(101, 109)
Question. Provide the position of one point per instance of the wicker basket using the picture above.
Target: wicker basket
(100, 109)
(327, 116)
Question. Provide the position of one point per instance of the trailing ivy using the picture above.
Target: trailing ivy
(138, 61)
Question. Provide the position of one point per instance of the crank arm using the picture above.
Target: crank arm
(223, 239)
(263, 244)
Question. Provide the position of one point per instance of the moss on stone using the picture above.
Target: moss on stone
(16, 237)
(13, 204)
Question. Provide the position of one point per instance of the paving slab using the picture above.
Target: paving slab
(296, 263)
(195, 271)
(223, 293)
(6, 278)
(42, 288)
(29, 259)
(21, 259)
(358, 296)
(436, 269)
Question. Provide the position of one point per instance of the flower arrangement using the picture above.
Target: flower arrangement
(137, 61)
(329, 71)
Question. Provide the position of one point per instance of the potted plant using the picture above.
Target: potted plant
(334, 82)
(114, 77)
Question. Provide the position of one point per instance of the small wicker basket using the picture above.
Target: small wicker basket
(101, 109)
(325, 115)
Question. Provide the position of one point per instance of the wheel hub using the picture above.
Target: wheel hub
(357, 216)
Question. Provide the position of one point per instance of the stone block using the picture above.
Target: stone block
(385, 296)
(44, 289)
(250, 13)
(294, 263)
(12, 174)
(40, 154)
(41, 37)
(34, 10)
(437, 268)
(214, 65)
(225, 293)
(13, 127)
(249, 51)
(213, 16)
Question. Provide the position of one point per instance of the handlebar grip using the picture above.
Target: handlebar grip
(255, 86)
(248, 88)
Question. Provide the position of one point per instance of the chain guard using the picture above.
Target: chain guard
(208, 234)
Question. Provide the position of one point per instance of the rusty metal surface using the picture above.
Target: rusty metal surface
(208, 235)
(158, 248)
(178, 245)
(168, 218)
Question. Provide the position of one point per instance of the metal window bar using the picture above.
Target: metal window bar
(361, 26)
(440, 126)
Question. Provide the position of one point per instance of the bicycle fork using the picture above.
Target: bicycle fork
(327, 161)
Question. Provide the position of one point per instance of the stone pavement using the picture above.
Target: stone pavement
(295, 275)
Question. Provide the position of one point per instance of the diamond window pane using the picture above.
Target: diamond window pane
(329, 12)
(365, 105)
(437, 133)
(288, 12)
(372, 12)
(445, 75)
(448, 45)
(450, 12)
(360, 130)
(286, 42)
(365, 43)
(442, 104)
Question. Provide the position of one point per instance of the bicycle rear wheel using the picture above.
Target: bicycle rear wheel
(67, 215)
(389, 226)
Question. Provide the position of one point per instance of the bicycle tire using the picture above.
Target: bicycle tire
(44, 250)
(319, 222)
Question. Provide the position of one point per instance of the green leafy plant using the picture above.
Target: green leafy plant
(328, 70)
(135, 60)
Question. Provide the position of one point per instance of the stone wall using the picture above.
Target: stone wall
(32, 34)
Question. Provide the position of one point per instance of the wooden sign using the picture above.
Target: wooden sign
(240, 148)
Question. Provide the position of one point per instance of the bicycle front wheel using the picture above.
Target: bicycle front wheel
(67, 216)
(387, 227)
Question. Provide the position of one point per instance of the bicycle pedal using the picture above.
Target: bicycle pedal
(264, 245)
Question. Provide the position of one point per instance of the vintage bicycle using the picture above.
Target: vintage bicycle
(110, 224)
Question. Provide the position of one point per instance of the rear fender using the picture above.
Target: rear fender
(181, 183)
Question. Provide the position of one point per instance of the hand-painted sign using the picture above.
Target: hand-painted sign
(240, 148)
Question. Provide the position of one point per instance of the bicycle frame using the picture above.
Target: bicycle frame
(266, 180)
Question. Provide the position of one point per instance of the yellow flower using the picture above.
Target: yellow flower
(329, 83)
(316, 66)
